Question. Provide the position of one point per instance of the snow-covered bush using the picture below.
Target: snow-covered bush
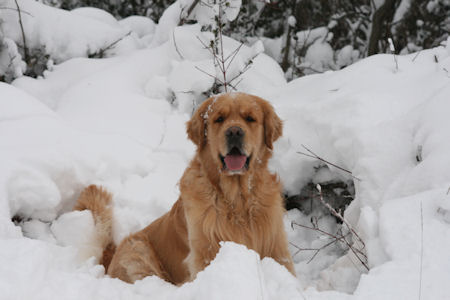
(11, 63)
(45, 35)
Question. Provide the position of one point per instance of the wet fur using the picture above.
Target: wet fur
(214, 205)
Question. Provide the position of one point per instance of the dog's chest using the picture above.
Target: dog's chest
(245, 222)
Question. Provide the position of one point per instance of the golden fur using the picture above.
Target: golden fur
(215, 204)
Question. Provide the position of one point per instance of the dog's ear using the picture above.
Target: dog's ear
(273, 126)
(196, 126)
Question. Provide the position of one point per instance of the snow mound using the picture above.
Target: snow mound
(66, 34)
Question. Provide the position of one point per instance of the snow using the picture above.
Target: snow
(319, 57)
(346, 56)
(11, 68)
(206, 11)
(142, 26)
(120, 122)
(63, 34)
(96, 13)
(292, 21)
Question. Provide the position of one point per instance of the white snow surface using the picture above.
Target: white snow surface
(120, 122)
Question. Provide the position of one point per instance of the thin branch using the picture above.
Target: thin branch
(349, 227)
(102, 51)
(206, 46)
(301, 249)
(246, 68)
(415, 56)
(335, 239)
(314, 155)
(15, 9)
(316, 228)
(224, 72)
(25, 48)
(235, 85)
(421, 250)
(234, 53)
(321, 248)
(209, 74)
(190, 9)
(175, 44)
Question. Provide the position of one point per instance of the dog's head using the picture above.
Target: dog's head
(236, 129)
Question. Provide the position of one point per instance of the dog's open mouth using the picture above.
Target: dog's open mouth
(235, 160)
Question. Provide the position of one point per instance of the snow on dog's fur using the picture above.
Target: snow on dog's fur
(226, 194)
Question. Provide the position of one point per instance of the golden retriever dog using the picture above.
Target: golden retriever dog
(226, 194)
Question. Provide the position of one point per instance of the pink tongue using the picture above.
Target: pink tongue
(235, 162)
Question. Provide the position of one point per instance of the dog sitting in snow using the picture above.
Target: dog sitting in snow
(226, 194)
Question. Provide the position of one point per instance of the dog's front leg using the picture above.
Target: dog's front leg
(201, 254)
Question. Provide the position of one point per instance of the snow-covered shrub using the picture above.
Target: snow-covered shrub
(11, 63)
(119, 8)
(44, 34)
(423, 25)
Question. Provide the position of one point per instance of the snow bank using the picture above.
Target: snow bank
(67, 34)
(389, 127)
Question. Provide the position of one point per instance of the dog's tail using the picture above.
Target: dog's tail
(98, 201)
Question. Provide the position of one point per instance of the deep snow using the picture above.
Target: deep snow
(119, 122)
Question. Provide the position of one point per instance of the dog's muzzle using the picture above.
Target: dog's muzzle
(236, 159)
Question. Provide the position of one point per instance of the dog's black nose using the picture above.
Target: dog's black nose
(234, 131)
(235, 137)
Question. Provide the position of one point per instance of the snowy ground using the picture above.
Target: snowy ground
(119, 122)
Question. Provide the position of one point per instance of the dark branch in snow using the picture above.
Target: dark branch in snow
(176, 46)
(446, 71)
(190, 9)
(415, 56)
(419, 153)
(361, 257)
(25, 48)
(356, 248)
(210, 75)
(314, 155)
(421, 251)
(101, 52)
(338, 237)
(15, 9)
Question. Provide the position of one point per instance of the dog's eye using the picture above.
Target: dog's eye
(249, 119)
(219, 120)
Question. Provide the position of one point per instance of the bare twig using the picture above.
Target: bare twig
(419, 153)
(216, 48)
(25, 48)
(224, 71)
(175, 44)
(209, 74)
(246, 68)
(206, 46)
(190, 9)
(334, 239)
(15, 9)
(446, 71)
(234, 53)
(421, 250)
(314, 155)
(415, 56)
(102, 51)
(363, 260)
